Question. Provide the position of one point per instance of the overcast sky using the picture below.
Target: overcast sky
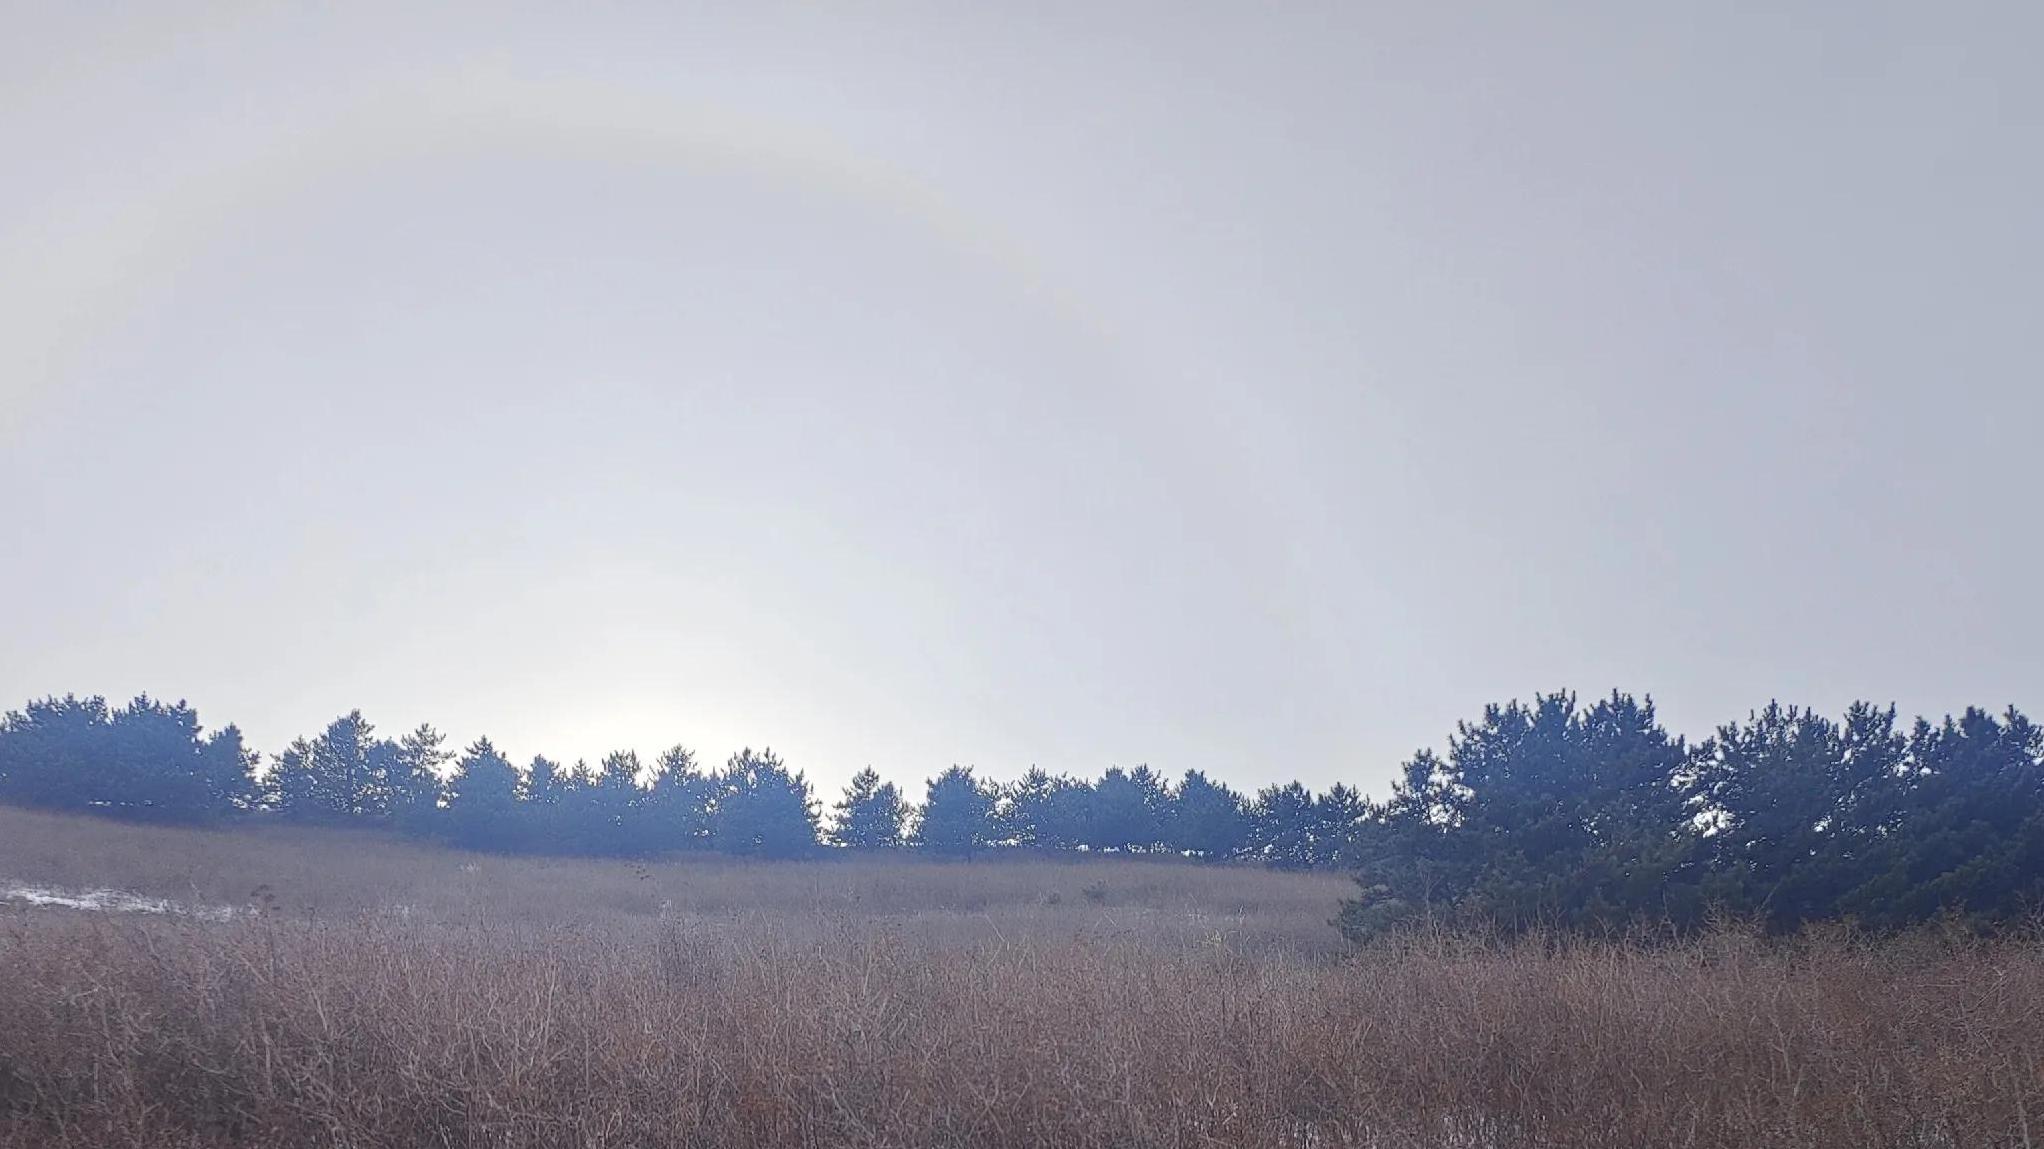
(1251, 388)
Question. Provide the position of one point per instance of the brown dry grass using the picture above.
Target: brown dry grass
(330, 875)
(835, 1009)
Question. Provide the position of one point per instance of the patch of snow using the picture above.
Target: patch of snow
(111, 901)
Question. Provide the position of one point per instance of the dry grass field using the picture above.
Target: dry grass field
(369, 993)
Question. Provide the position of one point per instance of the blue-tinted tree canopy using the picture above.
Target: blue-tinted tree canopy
(1549, 814)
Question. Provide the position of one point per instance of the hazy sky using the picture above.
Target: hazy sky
(1251, 388)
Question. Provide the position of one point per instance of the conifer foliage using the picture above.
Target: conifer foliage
(1551, 813)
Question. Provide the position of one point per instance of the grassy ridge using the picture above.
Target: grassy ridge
(536, 1004)
(299, 875)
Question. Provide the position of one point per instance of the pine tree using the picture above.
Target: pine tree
(415, 777)
(227, 773)
(958, 814)
(1207, 820)
(762, 809)
(483, 808)
(1963, 834)
(1784, 797)
(146, 760)
(1541, 814)
(544, 796)
(579, 815)
(287, 788)
(1337, 815)
(870, 816)
(1281, 827)
(1125, 813)
(336, 776)
(613, 807)
(1042, 811)
(677, 803)
(47, 749)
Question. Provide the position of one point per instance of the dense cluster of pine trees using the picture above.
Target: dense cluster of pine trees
(1549, 813)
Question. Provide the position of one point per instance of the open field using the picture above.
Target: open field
(389, 995)
(299, 876)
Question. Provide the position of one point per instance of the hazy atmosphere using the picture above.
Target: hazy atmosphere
(1255, 391)
(1110, 576)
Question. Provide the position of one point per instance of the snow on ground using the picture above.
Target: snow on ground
(109, 901)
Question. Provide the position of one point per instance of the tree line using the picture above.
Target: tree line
(1548, 813)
